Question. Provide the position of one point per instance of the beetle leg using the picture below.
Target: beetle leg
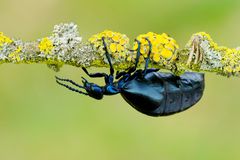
(108, 78)
(152, 70)
(131, 69)
(108, 57)
(94, 75)
(129, 72)
(138, 54)
(120, 74)
(84, 80)
(139, 72)
(148, 57)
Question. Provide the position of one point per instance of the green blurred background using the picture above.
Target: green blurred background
(40, 120)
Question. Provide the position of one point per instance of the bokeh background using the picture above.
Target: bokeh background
(40, 120)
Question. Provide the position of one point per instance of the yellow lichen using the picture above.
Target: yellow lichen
(113, 47)
(231, 61)
(166, 53)
(15, 55)
(156, 57)
(207, 37)
(117, 44)
(46, 46)
(163, 46)
(4, 39)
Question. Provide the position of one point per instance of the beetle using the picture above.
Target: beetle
(150, 92)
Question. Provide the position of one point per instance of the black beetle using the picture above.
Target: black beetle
(161, 94)
(148, 91)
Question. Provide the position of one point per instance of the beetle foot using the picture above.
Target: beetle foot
(84, 80)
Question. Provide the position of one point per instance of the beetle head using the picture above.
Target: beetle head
(93, 90)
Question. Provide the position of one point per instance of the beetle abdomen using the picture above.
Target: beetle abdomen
(187, 92)
(161, 94)
(143, 95)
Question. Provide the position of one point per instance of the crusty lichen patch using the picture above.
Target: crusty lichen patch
(164, 47)
(220, 59)
(4, 40)
(231, 62)
(117, 45)
(65, 46)
(46, 46)
(15, 55)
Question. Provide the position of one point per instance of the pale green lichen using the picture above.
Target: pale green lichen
(211, 51)
(220, 59)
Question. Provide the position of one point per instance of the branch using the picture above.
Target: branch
(65, 46)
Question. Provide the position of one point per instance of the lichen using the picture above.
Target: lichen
(117, 45)
(15, 56)
(163, 46)
(4, 40)
(231, 62)
(164, 49)
(46, 46)
(212, 52)
(65, 46)
(220, 59)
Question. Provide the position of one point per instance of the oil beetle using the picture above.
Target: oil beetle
(150, 92)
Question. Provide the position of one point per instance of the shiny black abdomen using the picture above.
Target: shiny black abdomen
(161, 94)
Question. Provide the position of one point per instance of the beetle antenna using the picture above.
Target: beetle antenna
(70, 88)
(70, 81)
